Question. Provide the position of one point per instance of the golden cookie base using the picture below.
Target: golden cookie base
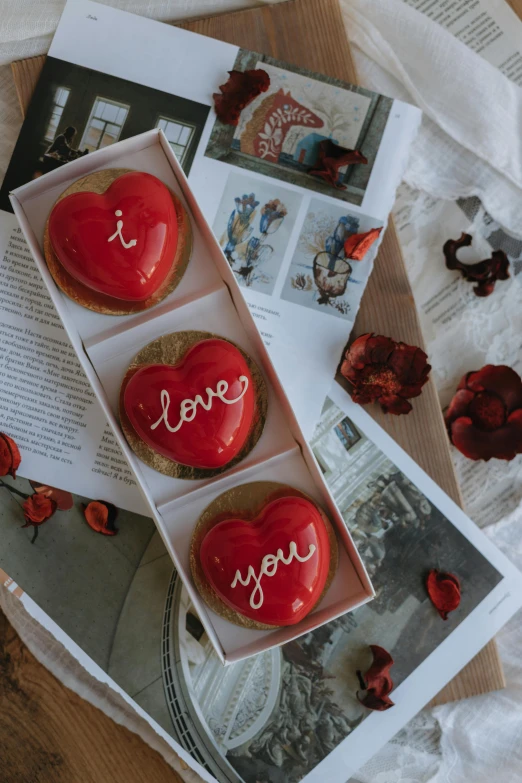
(170, 349)
(98, 182)
(245, 502)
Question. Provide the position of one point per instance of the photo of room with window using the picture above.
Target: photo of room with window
(75, 111)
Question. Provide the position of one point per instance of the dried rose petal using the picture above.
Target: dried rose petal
(485, 273)
(444, 591)
(382, 370)
(377, 681)
(64, 500)
(332, 157)
(38, 509)
(101, 516)
(484, 418)
(9, 456)
(240, 90)
(357, 245)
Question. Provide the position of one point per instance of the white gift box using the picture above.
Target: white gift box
(208, 298)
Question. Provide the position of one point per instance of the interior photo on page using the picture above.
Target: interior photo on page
(291, 713)
(96, 89)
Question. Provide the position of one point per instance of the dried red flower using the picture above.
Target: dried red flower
(377, 681)
(357, 245)
(64, 500)
(444, 591)
(485, 273)
(331, 157)
(9, 456)
(382, 370)
(101, 516)
(484, 418)
(240, 90)
(38, 509)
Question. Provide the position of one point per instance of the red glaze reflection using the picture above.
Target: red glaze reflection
(286, 553)
(121, 243)
(187, 412)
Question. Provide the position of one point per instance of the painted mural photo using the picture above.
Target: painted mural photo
(253, 225)
(320, 133)
(75, 111)
(320, 275)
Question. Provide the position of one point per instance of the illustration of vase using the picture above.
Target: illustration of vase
(331, 275)
(330, 267)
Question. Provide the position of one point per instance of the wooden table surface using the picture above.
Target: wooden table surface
(47, 733)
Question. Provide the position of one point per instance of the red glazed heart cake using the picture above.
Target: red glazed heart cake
(269, 568)
(197, 411)
(123, 245)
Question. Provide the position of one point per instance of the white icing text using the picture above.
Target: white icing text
(117, 233)
(268, 568)
(188, 408)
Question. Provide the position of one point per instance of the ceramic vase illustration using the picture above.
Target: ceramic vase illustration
(331, 275)
(330, 268)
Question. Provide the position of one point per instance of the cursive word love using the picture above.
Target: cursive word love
(189, 408)
(117, 233)
(268, 568)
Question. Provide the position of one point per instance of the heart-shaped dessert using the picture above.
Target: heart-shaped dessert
(198, 412)
(273, 569)
(121, 243)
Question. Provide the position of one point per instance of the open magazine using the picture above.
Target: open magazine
(291, 713)
(281, 229)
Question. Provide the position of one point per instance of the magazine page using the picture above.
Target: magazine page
(290, 714)
(283, 230)
(47, 402)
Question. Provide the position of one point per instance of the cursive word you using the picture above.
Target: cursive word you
(268, 568)
(189, 408)
(117, 233)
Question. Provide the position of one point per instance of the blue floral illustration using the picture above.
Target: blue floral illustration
(272, 215)
(239, 224)
(247, 253)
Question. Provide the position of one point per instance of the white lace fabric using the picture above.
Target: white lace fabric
(469, 144)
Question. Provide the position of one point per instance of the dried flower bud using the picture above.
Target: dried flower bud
(384, 371)
(357, 245)
(484, 418)
(485, 273)
(241, 89)
(101, 516)
(38, 509)
(444, 591)
(9, 456)
(332, 157)
(377, 681)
